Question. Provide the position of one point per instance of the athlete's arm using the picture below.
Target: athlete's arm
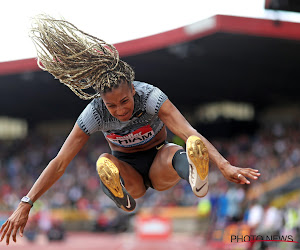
(55, 169)
(175, 121)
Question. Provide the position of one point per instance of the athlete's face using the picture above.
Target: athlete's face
(120, 101)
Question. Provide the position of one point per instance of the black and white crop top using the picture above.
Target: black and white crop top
(140, 129)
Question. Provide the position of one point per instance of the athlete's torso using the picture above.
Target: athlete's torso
(143, 131)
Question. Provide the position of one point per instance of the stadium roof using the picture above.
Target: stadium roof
(220, 58)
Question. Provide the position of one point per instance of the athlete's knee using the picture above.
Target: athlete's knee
(174, 149)
(179, 155)
(108, 156)
(165, 186)
(135, 187)
(104, 155)
(137, 193)
(160, 188)
(166, 154)
(180, 164)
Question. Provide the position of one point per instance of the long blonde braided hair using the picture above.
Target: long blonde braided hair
(77, 59)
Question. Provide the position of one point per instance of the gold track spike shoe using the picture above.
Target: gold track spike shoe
(197, 155)
(113, 187)
(109, 175)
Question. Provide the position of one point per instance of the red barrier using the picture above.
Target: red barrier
(154, 227)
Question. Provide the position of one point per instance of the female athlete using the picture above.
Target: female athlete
(133, 117)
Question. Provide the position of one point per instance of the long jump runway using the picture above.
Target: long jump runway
(93, 241)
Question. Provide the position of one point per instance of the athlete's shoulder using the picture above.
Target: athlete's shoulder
(151, 97)
(142, 87)
(97, 104)
(90, 119)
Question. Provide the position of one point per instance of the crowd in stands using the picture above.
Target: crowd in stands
(272, 150)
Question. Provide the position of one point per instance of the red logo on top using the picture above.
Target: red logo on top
(135, 138)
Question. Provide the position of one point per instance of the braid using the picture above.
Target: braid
(77, 59)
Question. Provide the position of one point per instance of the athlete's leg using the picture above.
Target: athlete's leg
(110, 170)
(133, 181)
(171, 162)
(162, 173)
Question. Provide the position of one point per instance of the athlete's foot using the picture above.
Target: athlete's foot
(198, 159)
(113, 187)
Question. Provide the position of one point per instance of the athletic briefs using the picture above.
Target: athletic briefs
(141, 161)
(140, 129)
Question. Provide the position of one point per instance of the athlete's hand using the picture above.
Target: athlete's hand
(239, 175)
(16, 221)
